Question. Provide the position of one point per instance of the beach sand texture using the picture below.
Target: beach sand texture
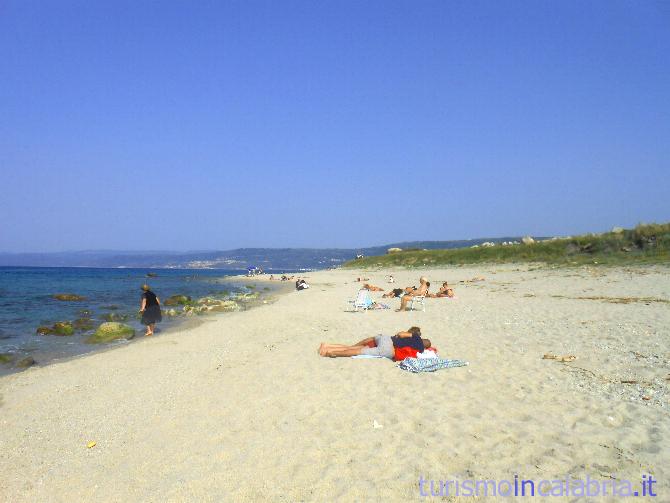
(241, 408)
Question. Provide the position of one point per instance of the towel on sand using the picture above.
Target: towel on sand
(429, 364)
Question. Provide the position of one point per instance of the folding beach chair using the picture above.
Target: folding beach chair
(363, 301)
(419, 299)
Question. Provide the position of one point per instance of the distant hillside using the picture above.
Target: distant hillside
(267, 258)
(644, 244)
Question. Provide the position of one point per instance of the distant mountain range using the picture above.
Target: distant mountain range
(241, 258)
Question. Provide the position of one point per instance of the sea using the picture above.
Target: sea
(27, 302)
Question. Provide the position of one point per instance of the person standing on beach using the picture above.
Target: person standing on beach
(150, 308)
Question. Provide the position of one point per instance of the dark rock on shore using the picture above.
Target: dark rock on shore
(44, 330)
(68, 297)
(111, 331)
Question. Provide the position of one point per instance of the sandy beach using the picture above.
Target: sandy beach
(242, 408)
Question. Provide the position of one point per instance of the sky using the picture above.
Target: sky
(180, 125)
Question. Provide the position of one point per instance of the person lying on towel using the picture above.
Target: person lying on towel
(398, 347)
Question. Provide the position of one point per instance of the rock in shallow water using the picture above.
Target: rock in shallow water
(26, 362)
(63, 328)
(6, 358)
(177, 300)
(68, 297)
(114, 317)
(83, 324)
(111, 331)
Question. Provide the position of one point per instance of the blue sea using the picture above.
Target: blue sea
(26, 302)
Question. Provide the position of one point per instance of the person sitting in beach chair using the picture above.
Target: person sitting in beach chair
(444, 291)
(401, 345)
(420, 293)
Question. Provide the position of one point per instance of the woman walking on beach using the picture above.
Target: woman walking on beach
(150, 308)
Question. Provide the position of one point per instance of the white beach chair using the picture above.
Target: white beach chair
(419, 299)
(363, 301)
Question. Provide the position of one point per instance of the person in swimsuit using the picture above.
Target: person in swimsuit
(399, 292)
(384, 345)
(150, 307)
(444, 291)
(372, 288)
(422, 290)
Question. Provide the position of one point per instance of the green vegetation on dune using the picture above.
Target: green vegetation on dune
(645, 244)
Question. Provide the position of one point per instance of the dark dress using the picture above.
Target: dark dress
(152, 310)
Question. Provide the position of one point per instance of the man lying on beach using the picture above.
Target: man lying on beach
(444, 291)
(421, 291)
(384, 345)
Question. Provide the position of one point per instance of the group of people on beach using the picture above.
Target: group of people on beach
(388, 346)
(379, 346)
(406, 294)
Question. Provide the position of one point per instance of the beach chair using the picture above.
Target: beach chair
(363, 301)
(419, 299)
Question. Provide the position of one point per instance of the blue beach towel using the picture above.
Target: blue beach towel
(417, 365)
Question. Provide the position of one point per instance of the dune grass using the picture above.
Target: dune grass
(645, 244)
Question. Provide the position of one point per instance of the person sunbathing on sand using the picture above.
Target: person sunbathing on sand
(372, 288)
(399, 292)
(384, 345)
(422, 290)
(444, 291)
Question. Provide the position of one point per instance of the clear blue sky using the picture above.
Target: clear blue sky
(212, 125)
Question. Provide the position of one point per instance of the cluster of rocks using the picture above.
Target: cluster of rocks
(206, 304)
(178, 300)
(62, 328)
(489, 244)
(106, 332)
(113, 328)
(66, 328)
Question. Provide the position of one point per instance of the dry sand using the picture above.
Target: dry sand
(242, 408)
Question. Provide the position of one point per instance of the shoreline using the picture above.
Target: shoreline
(171, 324)
(197, 414)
